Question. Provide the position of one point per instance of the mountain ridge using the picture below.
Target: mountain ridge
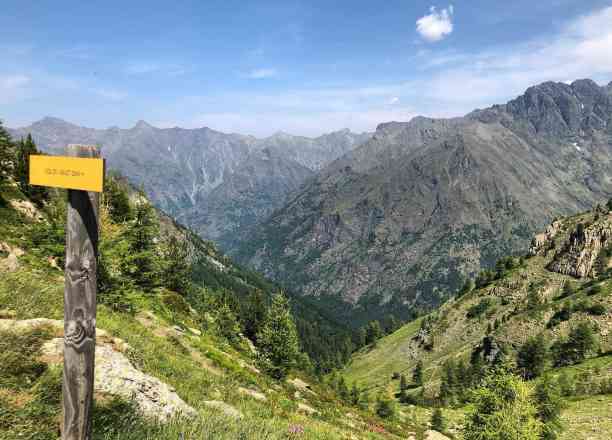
(394, 225)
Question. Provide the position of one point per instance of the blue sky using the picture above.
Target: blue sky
(296, 66)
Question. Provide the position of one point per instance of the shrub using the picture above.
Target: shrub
(478, 309)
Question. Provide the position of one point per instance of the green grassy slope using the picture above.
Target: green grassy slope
(512, 308)
(200, 367)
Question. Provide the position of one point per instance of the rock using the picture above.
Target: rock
(27, 208)
(225, 408)
(53, 263)
(248, 366)
(302, 407)
(115, 375)
(32, 324)
(195, 331)
(579, 254)
(435, 435)
(11, 262)
(300, 385)
(252, 393)
(541, 243)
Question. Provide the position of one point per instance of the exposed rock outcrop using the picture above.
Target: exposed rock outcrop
(114, 374)
(543, 242)
(582, 249)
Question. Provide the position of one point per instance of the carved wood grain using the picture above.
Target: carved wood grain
(80, 306)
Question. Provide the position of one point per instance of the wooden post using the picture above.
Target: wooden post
(80, 306)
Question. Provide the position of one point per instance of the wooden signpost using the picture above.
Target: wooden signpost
(82, 172)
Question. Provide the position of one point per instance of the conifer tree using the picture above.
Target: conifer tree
(355, 394)
(384, 407)
(531, 357)
(580, 342)
(117, 200)
(227, 324)
(417, 374)
(176, 273)
(141, 262)
(549, 404)
(277, 338)
(503, 408)
(6, 154)
(343, 390)
(437, 420)
(374, 332)
(254, 313)
(25, 148)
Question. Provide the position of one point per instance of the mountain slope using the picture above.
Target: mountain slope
(528, 298)
(158, 351)
(395, 225)
(180, 168)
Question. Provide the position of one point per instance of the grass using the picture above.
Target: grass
(199, 367)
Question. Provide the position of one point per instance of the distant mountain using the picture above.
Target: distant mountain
(395, 225)
(245, 178)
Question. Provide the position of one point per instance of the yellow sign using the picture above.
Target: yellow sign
(86, 174)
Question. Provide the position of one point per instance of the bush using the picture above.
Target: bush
(579, 344)
(385, 408)
(437, 420)
(478, 309)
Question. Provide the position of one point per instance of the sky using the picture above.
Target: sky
(302, 67)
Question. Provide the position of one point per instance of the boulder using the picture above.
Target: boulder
(252, 393)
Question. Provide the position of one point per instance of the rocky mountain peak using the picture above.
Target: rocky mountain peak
(51, 122)
(142, 125)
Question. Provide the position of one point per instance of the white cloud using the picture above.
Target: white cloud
(261, 73)
(436, 25)
(11, 82)
(394, 100)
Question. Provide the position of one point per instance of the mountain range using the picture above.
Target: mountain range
(395, 225)
(216, 183)
(372, 224)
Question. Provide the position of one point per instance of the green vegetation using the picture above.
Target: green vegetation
(185, 317)
(544, 329)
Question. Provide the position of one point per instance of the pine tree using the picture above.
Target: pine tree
(384, 407)
(417, 374)
(503, 408)
(277, 338)
(6, 154)
(374, 332)
(176, 270)
(227, 324)
(580, 342)
(355, 394)
(254, 313)
(437, 420)
(343, 390)
(531, 357)
(360, 337)
(141, 262)
(117, 200)
(25, 148)
(549, 404)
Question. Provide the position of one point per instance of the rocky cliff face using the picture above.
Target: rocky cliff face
(217, 183)
(580, 252)
(395, 224)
